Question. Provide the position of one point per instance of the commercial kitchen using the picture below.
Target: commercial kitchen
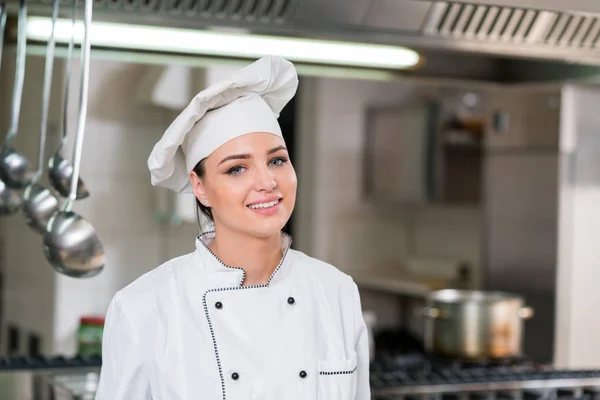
(448, 159)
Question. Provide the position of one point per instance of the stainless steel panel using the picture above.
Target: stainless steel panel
(334, 12)
(521, 192)
(404, 15)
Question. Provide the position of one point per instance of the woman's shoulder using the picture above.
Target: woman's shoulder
(140, 293)
(322, 271)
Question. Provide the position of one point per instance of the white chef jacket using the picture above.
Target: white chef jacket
(189, 330)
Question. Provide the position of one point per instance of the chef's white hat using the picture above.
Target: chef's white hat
(248, 102)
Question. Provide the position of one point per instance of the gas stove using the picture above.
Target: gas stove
(418, 376)
(42, 363)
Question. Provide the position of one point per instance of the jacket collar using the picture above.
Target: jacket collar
(232, 275)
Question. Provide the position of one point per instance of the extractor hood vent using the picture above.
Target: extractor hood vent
(265, 11)
(250, 10)
(574, 31)
(522, 28)
(512, 25)
(482, 22)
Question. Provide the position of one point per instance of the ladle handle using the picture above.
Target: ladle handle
(20, 73)
(3, 15)
(46, 92)
(83, 96)
(68, 77)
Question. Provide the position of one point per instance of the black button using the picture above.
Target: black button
(235, 376)
(303, 374)
(291, 300)
(218, 304)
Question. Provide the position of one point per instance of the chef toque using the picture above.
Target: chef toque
(250, 101)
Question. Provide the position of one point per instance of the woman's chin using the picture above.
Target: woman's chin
(264, 227)
(266, 230)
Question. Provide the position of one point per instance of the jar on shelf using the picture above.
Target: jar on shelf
(89, 336)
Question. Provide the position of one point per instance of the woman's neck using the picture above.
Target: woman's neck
(257, 256)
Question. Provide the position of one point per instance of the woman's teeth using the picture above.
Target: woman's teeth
(264, 205)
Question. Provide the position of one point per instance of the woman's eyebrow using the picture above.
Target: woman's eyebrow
(236, 157)
(248, 156)
(276, 149)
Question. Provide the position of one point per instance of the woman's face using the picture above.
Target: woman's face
(250, 185)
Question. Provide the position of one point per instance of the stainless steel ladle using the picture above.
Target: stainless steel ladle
(15, 170)
(10, 201)
(71, 243)
(59, 168)
(39, 203)
(3, 16)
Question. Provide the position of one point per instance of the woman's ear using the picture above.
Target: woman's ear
(199, 188)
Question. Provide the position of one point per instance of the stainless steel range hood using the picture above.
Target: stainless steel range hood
(543, 29)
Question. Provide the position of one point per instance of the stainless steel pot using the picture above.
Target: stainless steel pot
(472, 325)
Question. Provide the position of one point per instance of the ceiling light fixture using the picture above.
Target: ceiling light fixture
(211, 43)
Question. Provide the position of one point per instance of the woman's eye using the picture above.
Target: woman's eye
(279, 161)
(235, 170)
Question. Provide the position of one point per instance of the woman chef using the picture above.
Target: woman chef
(243, 317)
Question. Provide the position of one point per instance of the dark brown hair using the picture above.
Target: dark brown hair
(199, 170)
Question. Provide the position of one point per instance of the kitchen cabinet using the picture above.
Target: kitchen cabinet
(523, 117)
(425, 150)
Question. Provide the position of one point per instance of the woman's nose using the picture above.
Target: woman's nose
(265, 180)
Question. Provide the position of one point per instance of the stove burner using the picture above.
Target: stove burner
(417, 376)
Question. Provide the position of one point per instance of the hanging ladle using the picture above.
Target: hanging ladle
(39, 203)
(10, 201)
(59, 168)
(15, 170)
(3, 15)
(71, 243)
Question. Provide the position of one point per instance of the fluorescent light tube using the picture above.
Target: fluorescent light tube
(201, 42)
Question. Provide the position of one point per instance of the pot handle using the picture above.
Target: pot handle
(432, 312)
(525, 313)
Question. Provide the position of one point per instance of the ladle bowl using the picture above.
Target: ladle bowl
(39, 205)
(72, 245)
(10, 200)
(15, 170)
(60, 173)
